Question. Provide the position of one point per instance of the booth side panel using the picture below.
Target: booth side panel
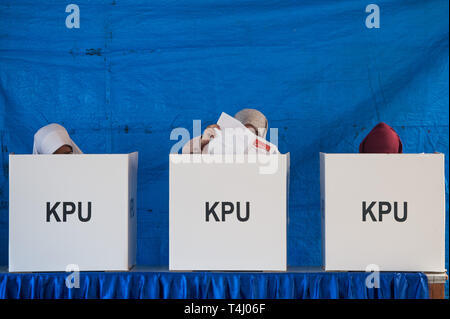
(322, 206)
(132, 209)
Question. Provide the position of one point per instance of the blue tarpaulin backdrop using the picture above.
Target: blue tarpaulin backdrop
(135, 70)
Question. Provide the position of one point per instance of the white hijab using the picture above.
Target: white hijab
(51, 137)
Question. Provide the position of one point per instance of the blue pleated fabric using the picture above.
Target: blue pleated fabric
(213, 285)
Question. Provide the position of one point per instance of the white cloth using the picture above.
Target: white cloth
(51, 137)
(255, 118)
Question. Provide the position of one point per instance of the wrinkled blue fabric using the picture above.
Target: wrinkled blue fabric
(214, 285)
(134, 71)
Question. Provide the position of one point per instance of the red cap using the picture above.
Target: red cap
(382, 139)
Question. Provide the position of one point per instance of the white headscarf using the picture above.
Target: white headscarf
(51, 137)
(255, 118)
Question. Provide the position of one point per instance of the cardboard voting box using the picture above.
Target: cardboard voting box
(228, 215)
(77, 210)
(383, 211)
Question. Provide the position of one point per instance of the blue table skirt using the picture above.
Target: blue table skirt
(148, 283)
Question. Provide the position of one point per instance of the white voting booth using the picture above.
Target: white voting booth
(228, 212)
(383, 212)
(69, 212)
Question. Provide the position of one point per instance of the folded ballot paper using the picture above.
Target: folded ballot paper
(235, 138)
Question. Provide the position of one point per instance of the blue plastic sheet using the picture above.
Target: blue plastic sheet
(214, 285)
(133, 71)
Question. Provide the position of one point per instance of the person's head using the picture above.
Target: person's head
(54, 139)
(381, 139)
(254, 120)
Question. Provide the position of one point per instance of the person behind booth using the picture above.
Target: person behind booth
(381, 139)
(253, 119)
(54, 139)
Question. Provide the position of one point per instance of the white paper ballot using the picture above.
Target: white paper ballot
(227, 121)
(235, 138)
